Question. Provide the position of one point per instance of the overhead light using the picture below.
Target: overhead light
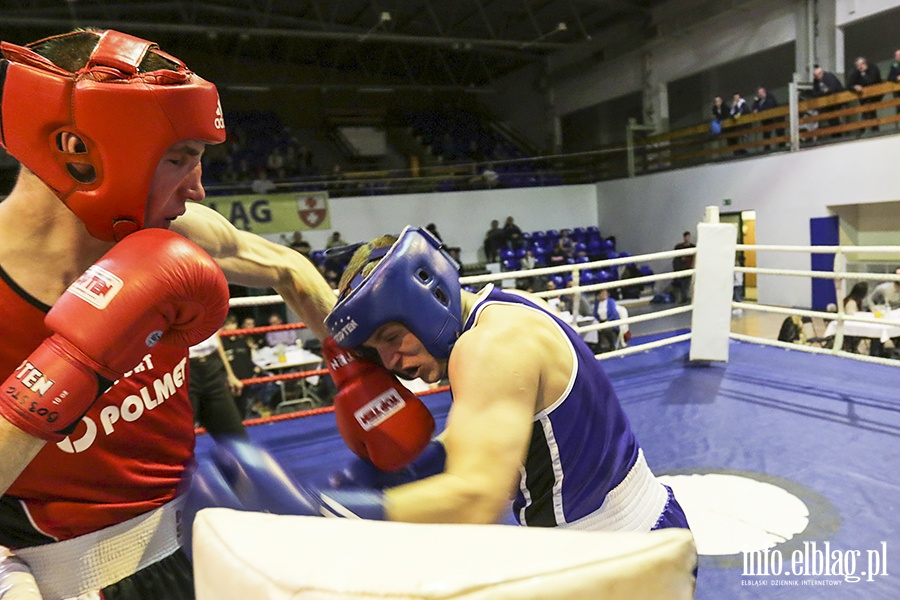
(383, 18)
(561, 26)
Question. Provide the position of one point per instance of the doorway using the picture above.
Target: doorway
(745, 221)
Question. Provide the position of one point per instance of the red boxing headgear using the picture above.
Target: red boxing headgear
(126, 118)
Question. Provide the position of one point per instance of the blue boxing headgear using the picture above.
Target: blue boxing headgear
(416, 284)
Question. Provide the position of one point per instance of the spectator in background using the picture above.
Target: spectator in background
(862, 76)
(559, 255)
(275, 163)
(853, 303)
(631, 292)
(300, 245)
(254, 341)
(884, 298)
(552, 301)
(567, 243)
(738, 109)
(305, 160)
(335, 241)
(719, 114)
(512, 235)
(433, 230)
(528, 261)
(493, 241)
(285, 337)
(826, 83)
(894, 76)
(762, 102)
(213, 388)
(239, 354)
(682, 285)
(886, 294)
(567, 302)
(490, 177)
(607, 309)
(263, 183)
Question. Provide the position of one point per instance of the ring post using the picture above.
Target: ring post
(713, 288)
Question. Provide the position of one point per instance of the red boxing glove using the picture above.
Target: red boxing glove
(378, 417)
(152, 286)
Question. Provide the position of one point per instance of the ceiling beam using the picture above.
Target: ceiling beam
(276, 32)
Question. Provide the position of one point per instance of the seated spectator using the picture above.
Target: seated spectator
(284, 337)
(886, 294)
(489, 176)
(566, 241)
(607, 309)
(630, 271)
(262, 184)
(552, 301)
(528, 261)
(275, 163)
(254, 341)
(884, 298)
(559, 255)
(853, 303)
(567, 302)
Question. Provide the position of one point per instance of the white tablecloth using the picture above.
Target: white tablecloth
(878, 331)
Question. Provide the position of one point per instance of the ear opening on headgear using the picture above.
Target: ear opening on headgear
(69, 143)
(82, 172)
(423, 275)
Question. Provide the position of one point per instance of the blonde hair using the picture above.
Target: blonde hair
(359, 262)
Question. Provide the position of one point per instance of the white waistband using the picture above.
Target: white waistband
(93, 561)
(634, 505)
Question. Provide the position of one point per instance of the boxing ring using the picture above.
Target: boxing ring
(783, 455)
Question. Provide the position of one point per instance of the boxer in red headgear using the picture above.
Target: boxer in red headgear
(99, 305)
(119, 117)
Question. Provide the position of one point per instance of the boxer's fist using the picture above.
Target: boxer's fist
(361, 473)
(152, 286)
(240, 475)
(379, 419)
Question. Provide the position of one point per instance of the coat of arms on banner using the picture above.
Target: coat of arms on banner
(312, 210)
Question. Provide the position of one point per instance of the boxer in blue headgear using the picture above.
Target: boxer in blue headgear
(415, 283)
(533, 413)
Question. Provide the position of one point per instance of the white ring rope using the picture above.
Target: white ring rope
(838, 275)
(576, 290)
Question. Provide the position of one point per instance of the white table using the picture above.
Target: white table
(295, 357)
(591, 337)
(877, 331)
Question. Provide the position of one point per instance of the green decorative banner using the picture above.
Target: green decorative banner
(274, 213)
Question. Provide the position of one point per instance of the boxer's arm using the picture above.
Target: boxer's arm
(250, 260)
(17, 449)
(495, 376)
